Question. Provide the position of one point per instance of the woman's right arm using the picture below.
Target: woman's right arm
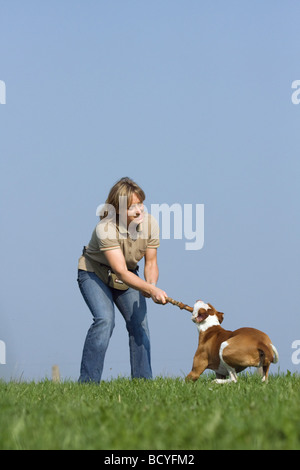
(116, 261)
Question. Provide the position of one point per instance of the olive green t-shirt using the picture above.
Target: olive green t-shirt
(110, 235)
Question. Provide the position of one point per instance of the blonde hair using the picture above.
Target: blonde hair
(124, 187)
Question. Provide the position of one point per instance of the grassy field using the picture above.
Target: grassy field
(161, 414)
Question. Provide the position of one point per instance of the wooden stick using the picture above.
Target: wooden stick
(180, 304)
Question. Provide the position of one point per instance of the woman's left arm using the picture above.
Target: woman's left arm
(151, 268)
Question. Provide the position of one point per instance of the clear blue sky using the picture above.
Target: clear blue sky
(192, 99)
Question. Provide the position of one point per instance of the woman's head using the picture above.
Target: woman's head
(125, 187)
(126, 191)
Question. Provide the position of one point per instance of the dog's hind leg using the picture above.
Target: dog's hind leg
(231, 370)
(265, 373)
(232, 376)
(267, 357)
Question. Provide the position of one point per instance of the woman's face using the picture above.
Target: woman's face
(135, 213)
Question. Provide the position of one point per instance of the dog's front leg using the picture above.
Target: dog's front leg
(199, 366)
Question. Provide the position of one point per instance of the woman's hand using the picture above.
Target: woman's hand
(158, 296)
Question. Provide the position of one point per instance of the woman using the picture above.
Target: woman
(108, 275)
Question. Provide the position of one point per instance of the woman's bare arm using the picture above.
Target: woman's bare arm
(116, 261)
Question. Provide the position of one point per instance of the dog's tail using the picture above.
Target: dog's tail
(276, 355)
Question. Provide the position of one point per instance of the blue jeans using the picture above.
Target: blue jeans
(132, 304)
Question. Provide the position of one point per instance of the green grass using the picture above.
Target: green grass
(161, 414)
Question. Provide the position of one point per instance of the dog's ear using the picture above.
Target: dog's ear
(211, 307)
(220, 316)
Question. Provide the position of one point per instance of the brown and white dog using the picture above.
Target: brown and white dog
(228, 352)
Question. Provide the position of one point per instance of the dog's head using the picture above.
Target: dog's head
(203, 312)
